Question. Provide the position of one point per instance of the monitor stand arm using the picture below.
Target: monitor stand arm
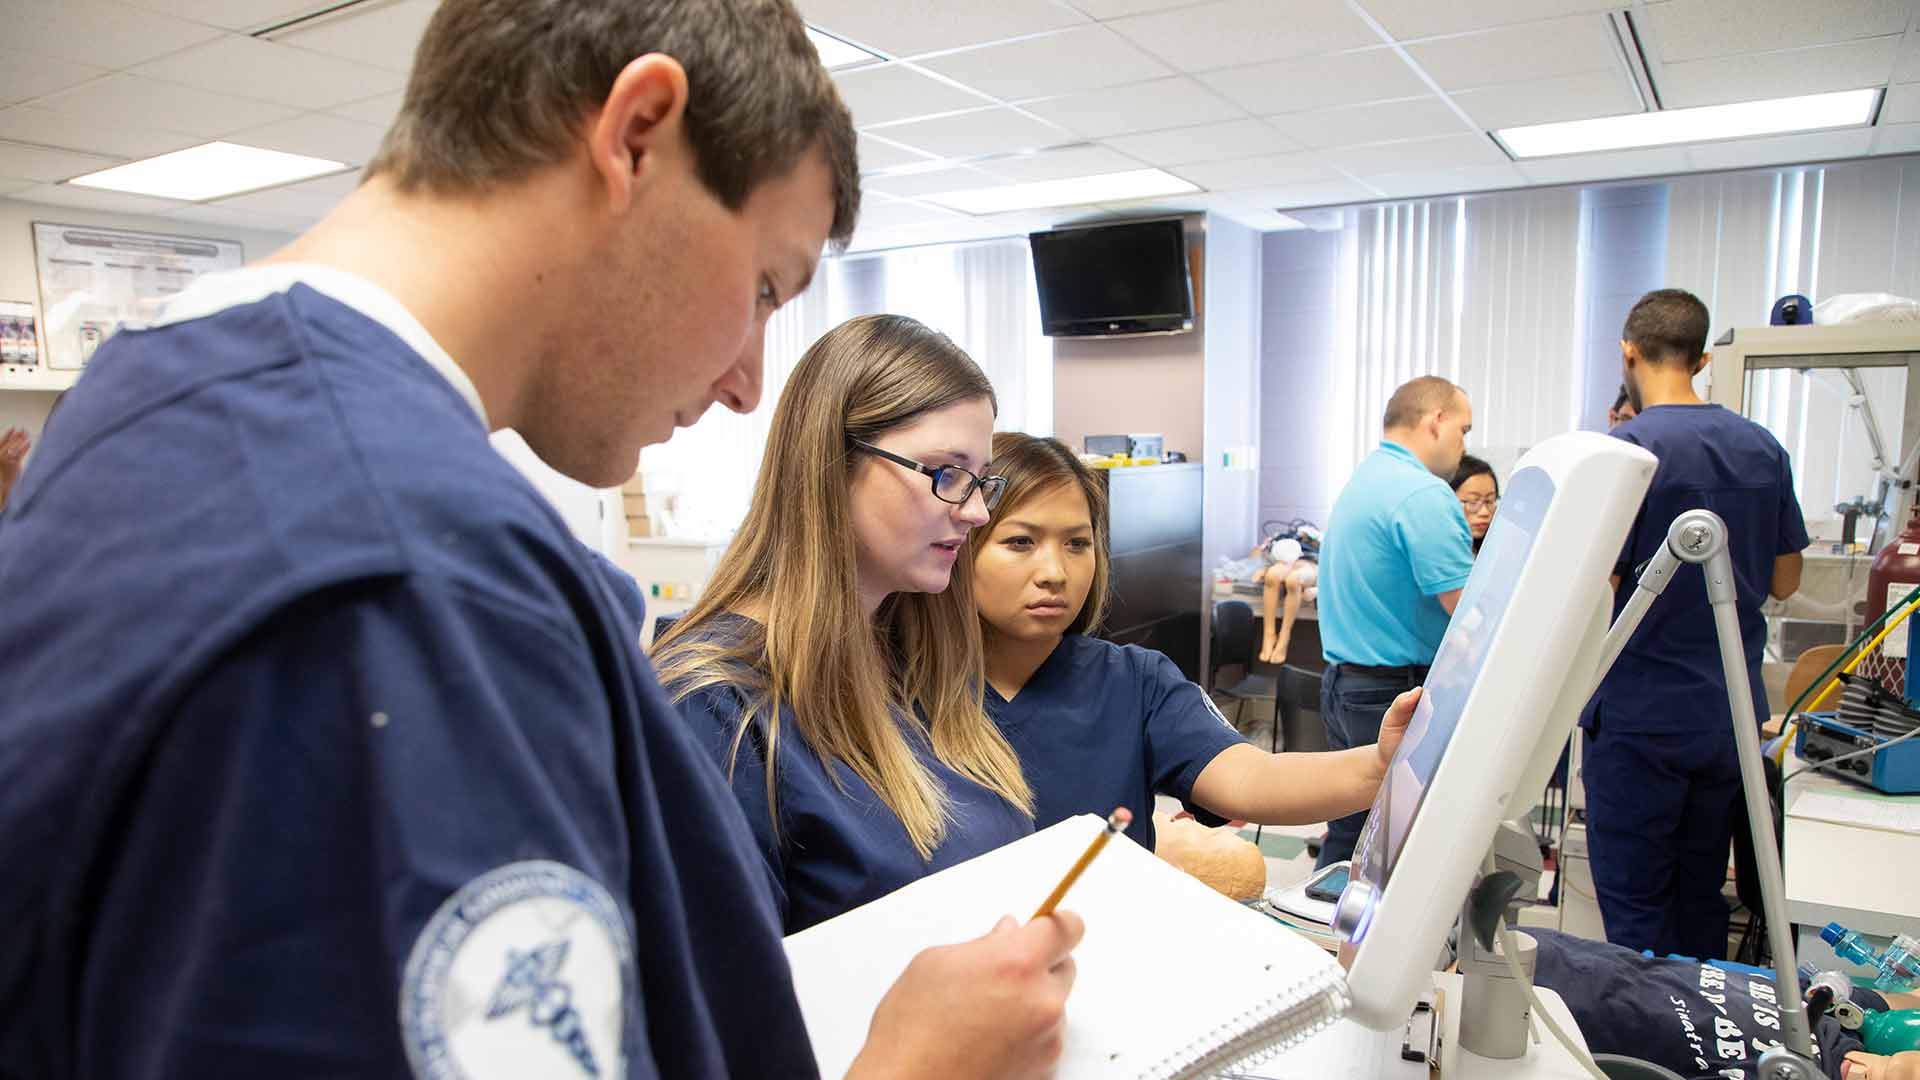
(1699, 536)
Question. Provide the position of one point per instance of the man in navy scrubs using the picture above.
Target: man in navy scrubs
(1661, 775)
(1396, 555)
(325, 750)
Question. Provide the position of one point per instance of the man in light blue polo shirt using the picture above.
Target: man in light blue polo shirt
(1396, 555)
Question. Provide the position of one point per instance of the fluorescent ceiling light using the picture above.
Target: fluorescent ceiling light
(1847, 108)
(1105, 187)
(209, 171)
(836, 53)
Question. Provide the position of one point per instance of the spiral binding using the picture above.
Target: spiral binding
(1260, 1031)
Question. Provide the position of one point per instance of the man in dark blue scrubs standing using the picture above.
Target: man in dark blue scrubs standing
(1397, 554)
(1661, 776)
(325, 749)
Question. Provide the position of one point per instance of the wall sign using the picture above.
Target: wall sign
(95, 281)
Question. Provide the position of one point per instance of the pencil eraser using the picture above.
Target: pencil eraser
(1122, 815)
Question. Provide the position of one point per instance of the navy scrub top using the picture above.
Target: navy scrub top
(1100, 725)
(326, 750)
(1669, 680)
(837, 845)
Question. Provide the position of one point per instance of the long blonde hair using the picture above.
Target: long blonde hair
(846, 678)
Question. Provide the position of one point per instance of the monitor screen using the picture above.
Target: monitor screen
(1456, 667)
(1127, 278)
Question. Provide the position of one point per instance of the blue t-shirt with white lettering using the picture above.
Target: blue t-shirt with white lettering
(326, 750)
(1100, 725)
(1395, 541)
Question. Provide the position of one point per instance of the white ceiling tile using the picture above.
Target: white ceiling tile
(47, 166)
(218, 214)
(1902, 104)
(1208, 142)
(131, 101)
(1379, 121)
(1259, 172)
(316, 135)
(236, 14)
(95, 33)
(910, 27)
(974, 134)
(907, 185)
(378, 111)
(309, 197)
(1696, 29)
(1408, 185)
(1148, 106)
(1083, 58)
(1418, 155)
(1660, 161)
(1227, 33)
(29, 123)
(9, 187)
(893, 214)
(1907, 69)
(1756, 76)
(1546, 101)
(882, 94)
(24, 76)
(1318, 82)
(1115, 9)
(1782, 149)
(246, 67)
(1538, 50)
(1406, 19)
(382, 35)
(1896, 138)
(1060, 164)
(1325, 193)
(94, 199)
(877, 154)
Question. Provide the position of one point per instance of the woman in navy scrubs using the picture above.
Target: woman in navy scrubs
(837, 637)
(1099, 725)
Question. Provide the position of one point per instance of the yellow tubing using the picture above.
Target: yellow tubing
(1786, 733)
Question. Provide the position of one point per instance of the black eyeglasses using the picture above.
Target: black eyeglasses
(951, 483)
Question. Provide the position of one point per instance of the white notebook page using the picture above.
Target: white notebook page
(1166, 961)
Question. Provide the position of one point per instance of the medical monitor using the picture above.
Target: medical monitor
(1516, 663)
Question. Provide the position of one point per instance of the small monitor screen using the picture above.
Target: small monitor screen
(1456, 667)
(1133, 272)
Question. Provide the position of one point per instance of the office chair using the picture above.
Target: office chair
(1236, 637)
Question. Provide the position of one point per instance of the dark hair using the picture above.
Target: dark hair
(1033, 466)
(1622, 400)
(1668, 326)
(501, 87)
(1471, 467)
(1416, 398)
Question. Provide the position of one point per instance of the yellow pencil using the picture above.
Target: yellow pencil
(1115, 822)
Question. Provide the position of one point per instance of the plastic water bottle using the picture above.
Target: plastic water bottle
(1849, 945)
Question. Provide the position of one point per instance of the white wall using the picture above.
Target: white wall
(18, 280)
(1232, 377)
(1299, 310)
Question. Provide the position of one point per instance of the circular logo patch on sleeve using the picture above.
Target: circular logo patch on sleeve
(526, 971)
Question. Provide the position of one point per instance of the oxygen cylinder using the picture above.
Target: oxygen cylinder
(1895, 573)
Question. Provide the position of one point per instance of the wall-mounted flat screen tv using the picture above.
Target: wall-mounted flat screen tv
(1110, 280)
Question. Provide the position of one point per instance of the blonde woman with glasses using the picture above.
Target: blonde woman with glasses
(837, 638)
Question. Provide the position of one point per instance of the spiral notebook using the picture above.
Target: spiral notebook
(1174, 979)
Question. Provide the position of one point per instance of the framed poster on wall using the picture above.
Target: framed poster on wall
(95, 281)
